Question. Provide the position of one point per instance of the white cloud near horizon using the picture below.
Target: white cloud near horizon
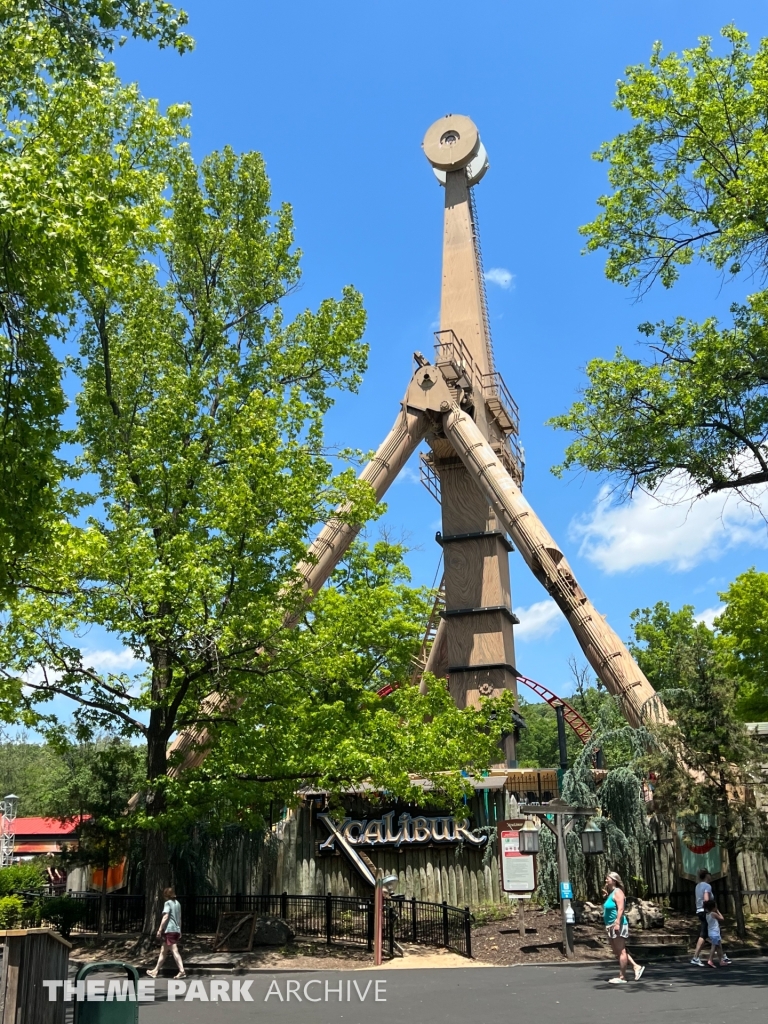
(709, 615)
(500, 276)
(670, 527)
(538, 621)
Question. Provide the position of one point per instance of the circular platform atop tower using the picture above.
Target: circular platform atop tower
(451, 142)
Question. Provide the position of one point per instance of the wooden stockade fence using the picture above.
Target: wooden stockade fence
(32, 956)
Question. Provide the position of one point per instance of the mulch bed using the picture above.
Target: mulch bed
(499, 942)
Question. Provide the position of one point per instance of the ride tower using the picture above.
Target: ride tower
(475, 647)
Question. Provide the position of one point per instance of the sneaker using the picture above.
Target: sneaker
(710, 964)
(617, 981)
(726, 960)
(697, 960)
(151, 974)
(639, 972)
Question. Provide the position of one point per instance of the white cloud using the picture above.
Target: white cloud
(538, 621)
(709, 615)
(500, 276)
(101, 661)
(408, 474)
(668, 528)
(111, 661)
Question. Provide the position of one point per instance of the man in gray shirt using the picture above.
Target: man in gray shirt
(703, 889)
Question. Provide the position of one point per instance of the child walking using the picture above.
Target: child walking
(714, 917)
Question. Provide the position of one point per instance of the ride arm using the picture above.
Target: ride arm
(333, 541)
(606, 653)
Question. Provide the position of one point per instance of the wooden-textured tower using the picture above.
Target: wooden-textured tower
(477, 648)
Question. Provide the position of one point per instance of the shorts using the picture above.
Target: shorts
(171, 938)
(623, 931)
(703, 930)
(714, 937)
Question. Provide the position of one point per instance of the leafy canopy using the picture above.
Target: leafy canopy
(82, 181)
(690, 177)
(690, 182)
(83, 27)
(743, 634)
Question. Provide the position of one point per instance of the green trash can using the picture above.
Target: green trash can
(115, 1011)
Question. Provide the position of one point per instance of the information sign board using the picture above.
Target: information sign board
(518, 870)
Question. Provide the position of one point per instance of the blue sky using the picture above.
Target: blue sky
(337, 97)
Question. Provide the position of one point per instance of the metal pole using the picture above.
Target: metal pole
(561, 740)
(521, 918)
(378, 914)
(562, 871)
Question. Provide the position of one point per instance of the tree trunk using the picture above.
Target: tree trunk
(157, 871)
(157, 876)
(103, 896)
(734, 885)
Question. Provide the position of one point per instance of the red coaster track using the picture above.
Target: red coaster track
(570, 714)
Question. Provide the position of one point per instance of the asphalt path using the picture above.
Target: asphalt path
(678, 993)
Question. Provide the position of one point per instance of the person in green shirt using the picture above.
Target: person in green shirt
(169, 933)
(617, 926)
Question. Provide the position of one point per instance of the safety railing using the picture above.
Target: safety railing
(347, 919)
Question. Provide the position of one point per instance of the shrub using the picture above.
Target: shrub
(21, 878)
(63, 912)
(11, 911)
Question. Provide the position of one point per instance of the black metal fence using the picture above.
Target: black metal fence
(328, 918)
(428, 924)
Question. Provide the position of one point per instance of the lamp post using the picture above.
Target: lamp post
(384, 884)
(558, 810)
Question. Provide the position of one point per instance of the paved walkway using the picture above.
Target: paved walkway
(675, 993)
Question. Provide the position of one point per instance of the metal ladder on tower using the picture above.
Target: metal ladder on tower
(438, 607)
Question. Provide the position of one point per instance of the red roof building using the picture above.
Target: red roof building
(42, 835)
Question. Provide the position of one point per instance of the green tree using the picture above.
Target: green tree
(660, 634)
(200, 423)
(689, 182)
(35, 772)
(705, 761)
(82, 28)
(81, 193)
(743, 637)
(102, 778)
(318, 718)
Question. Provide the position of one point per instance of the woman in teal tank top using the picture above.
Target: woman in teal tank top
(617, 926)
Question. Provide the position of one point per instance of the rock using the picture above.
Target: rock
(652, 915)
(272, 931)
(587, 913)
(644, 915)
(634, 916)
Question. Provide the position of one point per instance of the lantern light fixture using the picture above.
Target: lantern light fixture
(389, 883)
(592, 838)
(529, 838)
